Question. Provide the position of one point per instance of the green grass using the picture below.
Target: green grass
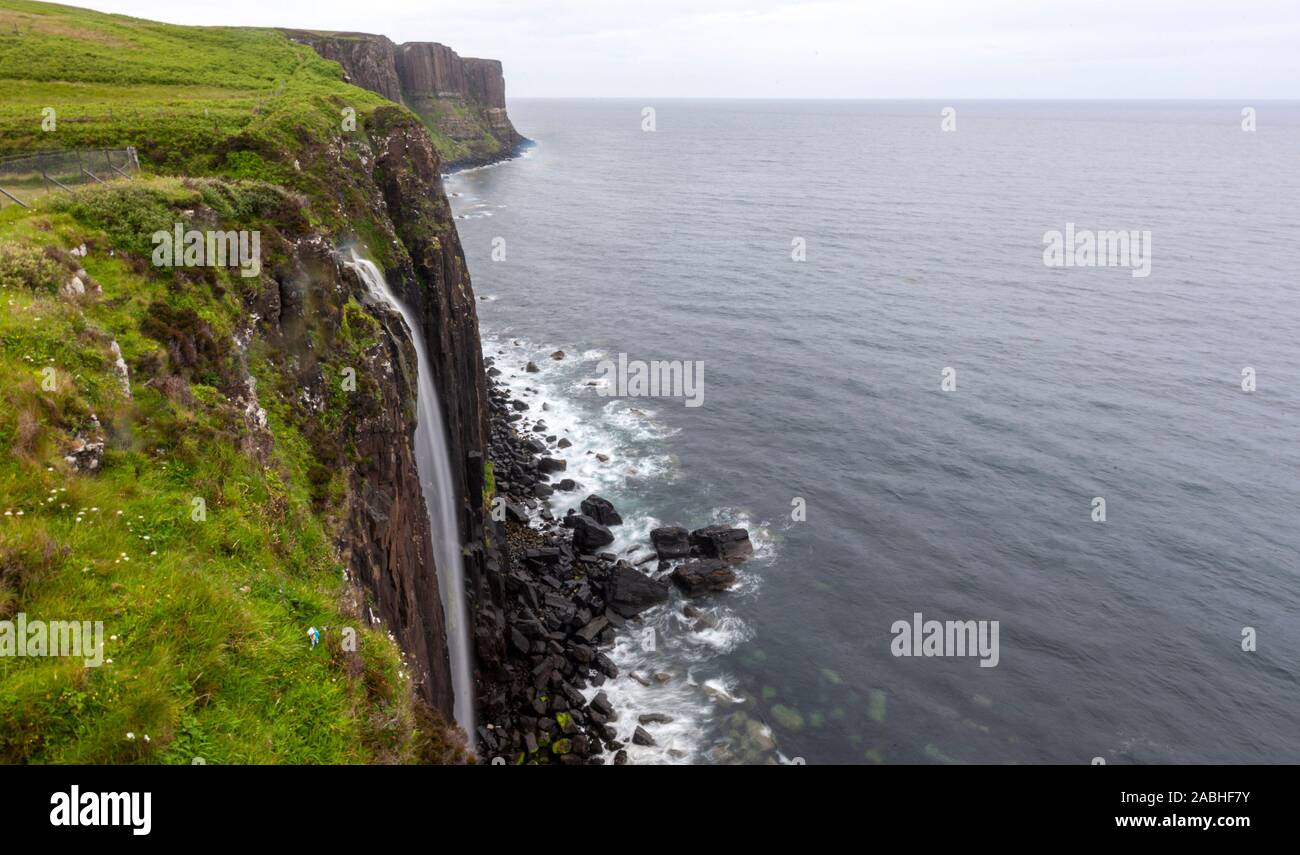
(220, 101)
(194, 100)
(205, 620)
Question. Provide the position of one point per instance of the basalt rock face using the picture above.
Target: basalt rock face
(431, 279)
(459, 95)
(368, 61)
(389, 543)
(384, 536)
(462, 98)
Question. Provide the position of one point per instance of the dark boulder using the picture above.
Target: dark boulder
(553, 464)
(601, 704)
(725, 542)
(588, 535)
(601, 510)
(593, 629)
(705, 576)
(671, 542)
(629, 592)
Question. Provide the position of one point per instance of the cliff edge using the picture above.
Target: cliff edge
(461, 100)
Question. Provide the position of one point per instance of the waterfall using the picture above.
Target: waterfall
(434, 464)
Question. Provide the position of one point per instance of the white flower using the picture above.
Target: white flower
(130, 735)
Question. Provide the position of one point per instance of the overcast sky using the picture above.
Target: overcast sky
(949, 49)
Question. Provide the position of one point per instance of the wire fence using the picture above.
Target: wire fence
(24, 178)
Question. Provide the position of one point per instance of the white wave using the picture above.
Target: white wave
(631, 436)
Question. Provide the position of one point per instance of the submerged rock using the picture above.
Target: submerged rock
(787, 717)
(654, 718)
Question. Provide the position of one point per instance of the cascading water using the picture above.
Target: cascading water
(434, 465)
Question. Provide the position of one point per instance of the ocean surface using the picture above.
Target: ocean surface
(824, 382)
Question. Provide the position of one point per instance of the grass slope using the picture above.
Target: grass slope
(194, 100)
(205, 619)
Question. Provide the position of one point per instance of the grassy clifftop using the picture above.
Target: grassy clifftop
(205, 533)
(235, 102)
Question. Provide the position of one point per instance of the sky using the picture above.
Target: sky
(943, 49)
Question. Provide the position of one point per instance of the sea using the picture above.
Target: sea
(927, 401)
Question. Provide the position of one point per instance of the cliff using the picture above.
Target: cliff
(461, 100)
(281, 404)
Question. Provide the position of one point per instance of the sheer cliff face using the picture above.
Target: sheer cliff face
(383, 526)
(462, 99)
(368, 61)
(390, 531)
(386, 536)
(385, 540)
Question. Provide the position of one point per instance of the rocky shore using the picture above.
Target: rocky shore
(564, 600)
